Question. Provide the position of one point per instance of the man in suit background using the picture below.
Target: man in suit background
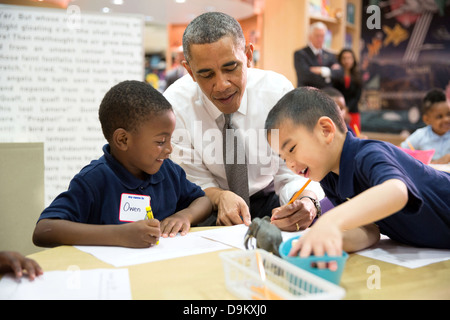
(315, 66)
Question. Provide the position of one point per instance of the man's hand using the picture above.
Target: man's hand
(296, 216)
(232, 210)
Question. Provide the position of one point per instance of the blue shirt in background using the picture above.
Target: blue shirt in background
(425, 220)
(426, 139)
(95, 193)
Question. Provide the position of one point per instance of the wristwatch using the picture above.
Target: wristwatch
(316, 204)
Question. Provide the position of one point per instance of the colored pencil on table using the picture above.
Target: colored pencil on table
(410, 145)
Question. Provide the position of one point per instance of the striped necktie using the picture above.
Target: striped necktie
(235, 161)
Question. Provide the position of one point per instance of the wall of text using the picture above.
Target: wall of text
(55, 67)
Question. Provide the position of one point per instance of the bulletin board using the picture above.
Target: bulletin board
(55, 67)
(403, 56)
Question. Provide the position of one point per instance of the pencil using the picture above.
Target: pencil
(356, 130)
(299, 192)
(410, 145)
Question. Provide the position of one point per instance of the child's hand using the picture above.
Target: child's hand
(140, 234)
(15, 262)
(320, 239)
(177, 222)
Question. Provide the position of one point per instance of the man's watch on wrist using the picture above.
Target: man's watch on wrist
(316, 204)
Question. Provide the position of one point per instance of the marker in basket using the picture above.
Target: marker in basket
(264, 291)
(299, 192)
(149, 216)
(356, 130)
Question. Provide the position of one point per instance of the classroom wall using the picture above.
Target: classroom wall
(21, 194)
(403, 56)
(55, 67)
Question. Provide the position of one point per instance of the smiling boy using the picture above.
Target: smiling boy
(106, 202)
(436, 135)
(368, 181)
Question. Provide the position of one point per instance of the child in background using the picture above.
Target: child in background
(339, 98)
(134, 172)
(368, 181)
(436, 135)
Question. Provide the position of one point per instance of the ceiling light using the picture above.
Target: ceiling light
(117, 2)
(106, 10)
(180, 1)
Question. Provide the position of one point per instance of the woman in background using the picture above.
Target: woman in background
(350, 85)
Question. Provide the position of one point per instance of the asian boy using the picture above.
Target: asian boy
(107, 200)
(368, 181)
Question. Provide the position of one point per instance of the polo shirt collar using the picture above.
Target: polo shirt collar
(347, 168)
(125, 177)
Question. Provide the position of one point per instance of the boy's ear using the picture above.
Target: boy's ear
(120, 139)
(327, 128)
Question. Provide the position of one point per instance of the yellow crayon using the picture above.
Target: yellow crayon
(149, 216)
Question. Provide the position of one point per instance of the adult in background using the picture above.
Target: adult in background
(350, 85)
(222, 91)
(315, 66)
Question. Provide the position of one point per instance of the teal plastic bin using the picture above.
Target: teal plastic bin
(310, 263)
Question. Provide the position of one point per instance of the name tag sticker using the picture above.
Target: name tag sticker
(132, 207)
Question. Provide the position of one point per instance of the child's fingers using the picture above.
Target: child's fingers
(166, 227)
(31, 269)
(153, 222)
(16, 267)
(300, 248)
(184, 229)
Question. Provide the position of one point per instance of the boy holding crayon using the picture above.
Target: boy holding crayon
(106, 201)
(368, 181)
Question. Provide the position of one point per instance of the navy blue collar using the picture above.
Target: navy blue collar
(127, 179)
(346, 166)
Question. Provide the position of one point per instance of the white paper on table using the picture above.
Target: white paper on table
(406, 256)
(234, 235)
(168, 248)
(72, 284)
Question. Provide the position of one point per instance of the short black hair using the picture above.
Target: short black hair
(304, 106)
(128, 104)
(433, 96)
(333, 92)
(210, 27)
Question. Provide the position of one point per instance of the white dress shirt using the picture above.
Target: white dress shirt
(197, 140)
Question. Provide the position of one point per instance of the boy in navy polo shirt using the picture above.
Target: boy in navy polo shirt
(368, 181)
(107, 200)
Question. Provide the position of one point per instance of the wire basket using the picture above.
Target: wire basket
(282, 279)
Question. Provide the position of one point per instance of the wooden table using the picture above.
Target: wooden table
(201, 277)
